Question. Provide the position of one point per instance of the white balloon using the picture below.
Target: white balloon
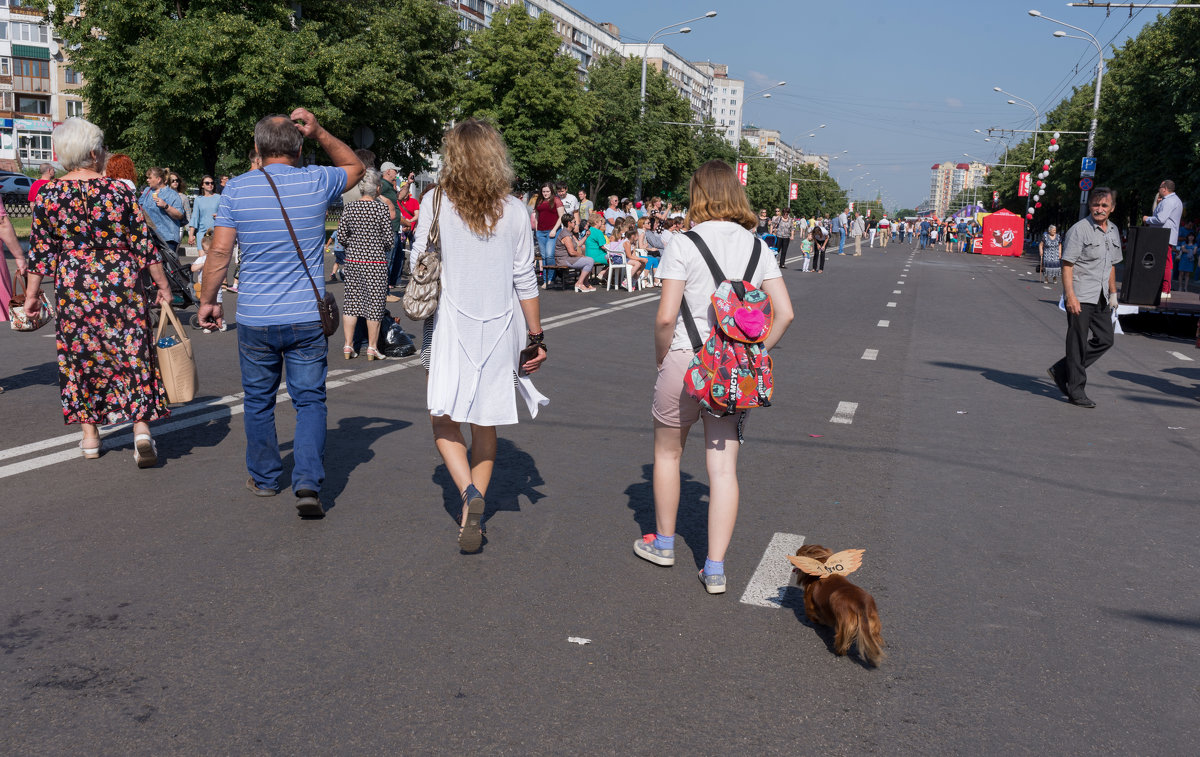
(1056, 135)
(1031, 209)
(1041, 192)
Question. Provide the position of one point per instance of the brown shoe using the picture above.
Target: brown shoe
(392, 298)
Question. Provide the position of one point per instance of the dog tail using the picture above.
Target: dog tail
(870, 634)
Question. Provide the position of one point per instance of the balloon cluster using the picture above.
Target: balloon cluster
(1041, 183)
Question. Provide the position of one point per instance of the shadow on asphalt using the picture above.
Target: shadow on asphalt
(346, 447)
(1156, 618)
(691, 523)
(1019, 381)
(794, 601)
(515, 475)
(1160, 386)
(36, 375)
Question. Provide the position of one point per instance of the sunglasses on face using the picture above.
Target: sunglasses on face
(208, 183)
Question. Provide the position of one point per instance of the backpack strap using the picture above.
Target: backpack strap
(689, 323)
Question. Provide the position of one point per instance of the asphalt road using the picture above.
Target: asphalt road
(1034, 563)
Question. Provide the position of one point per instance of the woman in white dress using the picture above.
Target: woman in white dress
(487, 312)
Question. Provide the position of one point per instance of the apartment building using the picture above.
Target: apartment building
(38, 88)
(582, 38)
(950, 178)
(692, 83)
(725, 107)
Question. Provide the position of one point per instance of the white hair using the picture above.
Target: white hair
(79, 144)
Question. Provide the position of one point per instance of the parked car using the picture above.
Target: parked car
(14, 188)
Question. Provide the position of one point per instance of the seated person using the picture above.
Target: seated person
(569, 251)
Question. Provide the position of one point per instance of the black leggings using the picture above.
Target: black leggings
(818, 263)
(782, 243)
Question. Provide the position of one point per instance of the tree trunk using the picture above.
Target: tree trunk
(208, 153)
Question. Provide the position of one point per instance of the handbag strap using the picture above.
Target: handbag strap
(295, 241)
(435, 234)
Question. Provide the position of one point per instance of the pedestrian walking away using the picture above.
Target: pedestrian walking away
(723, 219)
(90, 237)
(1093, 247)
(487, 312)
(277, 215)
(365, 231)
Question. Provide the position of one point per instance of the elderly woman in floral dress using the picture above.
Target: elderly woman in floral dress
(90, 237)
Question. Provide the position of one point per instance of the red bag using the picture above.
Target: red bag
(731, 371)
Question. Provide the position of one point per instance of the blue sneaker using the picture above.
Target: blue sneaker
(713, 584)
(645, 549)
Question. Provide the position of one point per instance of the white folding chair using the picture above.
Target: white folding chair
(617, 261)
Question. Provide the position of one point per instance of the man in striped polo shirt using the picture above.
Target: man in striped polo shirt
(277, 320)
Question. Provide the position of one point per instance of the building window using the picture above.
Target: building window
(74, 108)
(3, 30)
(72, 76)
(35, 148)
(6, 101)
(39, 105)
(31, 75)
(5, 66)
(30, 32)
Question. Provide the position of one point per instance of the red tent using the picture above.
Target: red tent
(1003, 234)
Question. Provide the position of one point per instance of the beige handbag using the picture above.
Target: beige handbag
(176, 363)
(420, 299)
(16, 306)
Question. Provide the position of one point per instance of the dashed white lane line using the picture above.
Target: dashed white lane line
(225, 407)
(891, 304)
(884, 324)
(897, 291)
(899, 282)
(844, 413)
(1180, 355)
(772, 578)
(904, 275)
(870, 354)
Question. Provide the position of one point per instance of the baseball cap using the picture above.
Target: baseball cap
(388, 166)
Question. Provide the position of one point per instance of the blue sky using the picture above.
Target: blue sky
(901, 84)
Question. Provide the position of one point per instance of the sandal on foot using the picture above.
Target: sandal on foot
(145, 452)
(470, 538)
(90, 453)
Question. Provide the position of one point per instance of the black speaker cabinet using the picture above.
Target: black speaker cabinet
(1145, 265)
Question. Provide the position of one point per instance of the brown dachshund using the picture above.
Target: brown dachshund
(834, 601)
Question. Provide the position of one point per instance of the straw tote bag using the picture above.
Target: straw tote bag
(176, 363)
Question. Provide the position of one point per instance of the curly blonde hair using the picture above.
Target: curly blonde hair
(476, 174)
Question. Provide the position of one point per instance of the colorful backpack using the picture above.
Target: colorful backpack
(731, 371)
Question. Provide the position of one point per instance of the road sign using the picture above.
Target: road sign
(1087, 173)
(1086, 184)
(1088, 164)
(743, 170)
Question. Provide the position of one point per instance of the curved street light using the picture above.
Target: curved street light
(1037, 117)
(645, 51)
(1083, 198)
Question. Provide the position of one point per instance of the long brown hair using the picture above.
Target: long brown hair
(476, 174)
(717, 194)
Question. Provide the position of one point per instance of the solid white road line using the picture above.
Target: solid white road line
(844, 413)
(884, 324)
(773, 576)
(870, 354)
(193, 415)
(891, 304)
(1180, 355)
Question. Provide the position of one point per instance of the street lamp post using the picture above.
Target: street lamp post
(1037, 117)
(1091, 145)
(645, 51)
(791, 163)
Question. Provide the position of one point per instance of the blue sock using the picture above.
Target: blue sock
(664, 542)
(714, 568)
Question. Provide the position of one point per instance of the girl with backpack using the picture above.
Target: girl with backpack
(724, 224)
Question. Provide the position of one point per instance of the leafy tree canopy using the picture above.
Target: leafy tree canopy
(183, 83)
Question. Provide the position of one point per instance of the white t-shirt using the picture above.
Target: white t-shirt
(570, 203)
(731, 246)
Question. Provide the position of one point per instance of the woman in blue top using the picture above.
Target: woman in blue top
(204, 210)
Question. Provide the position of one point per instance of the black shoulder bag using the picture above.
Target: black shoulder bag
(327, 307)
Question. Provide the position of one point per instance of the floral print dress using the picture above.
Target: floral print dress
(90, 237)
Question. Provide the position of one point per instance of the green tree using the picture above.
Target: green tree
(619, 136)
(521, 82)
(183, 83)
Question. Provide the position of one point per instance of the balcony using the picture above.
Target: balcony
(31, 84)
(21, 10)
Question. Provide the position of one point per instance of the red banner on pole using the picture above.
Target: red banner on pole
(795, 191)
(743, 171)
(1023, 185)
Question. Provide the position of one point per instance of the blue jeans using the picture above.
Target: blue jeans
(545, 243)
(923, 241)
(263, 351)
(841, 242)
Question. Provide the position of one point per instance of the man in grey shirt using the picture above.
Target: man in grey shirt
(1093, 247)
(1167, 213)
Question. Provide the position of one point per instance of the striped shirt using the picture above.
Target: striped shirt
(273, 289)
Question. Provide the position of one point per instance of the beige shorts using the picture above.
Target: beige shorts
(672, 406)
